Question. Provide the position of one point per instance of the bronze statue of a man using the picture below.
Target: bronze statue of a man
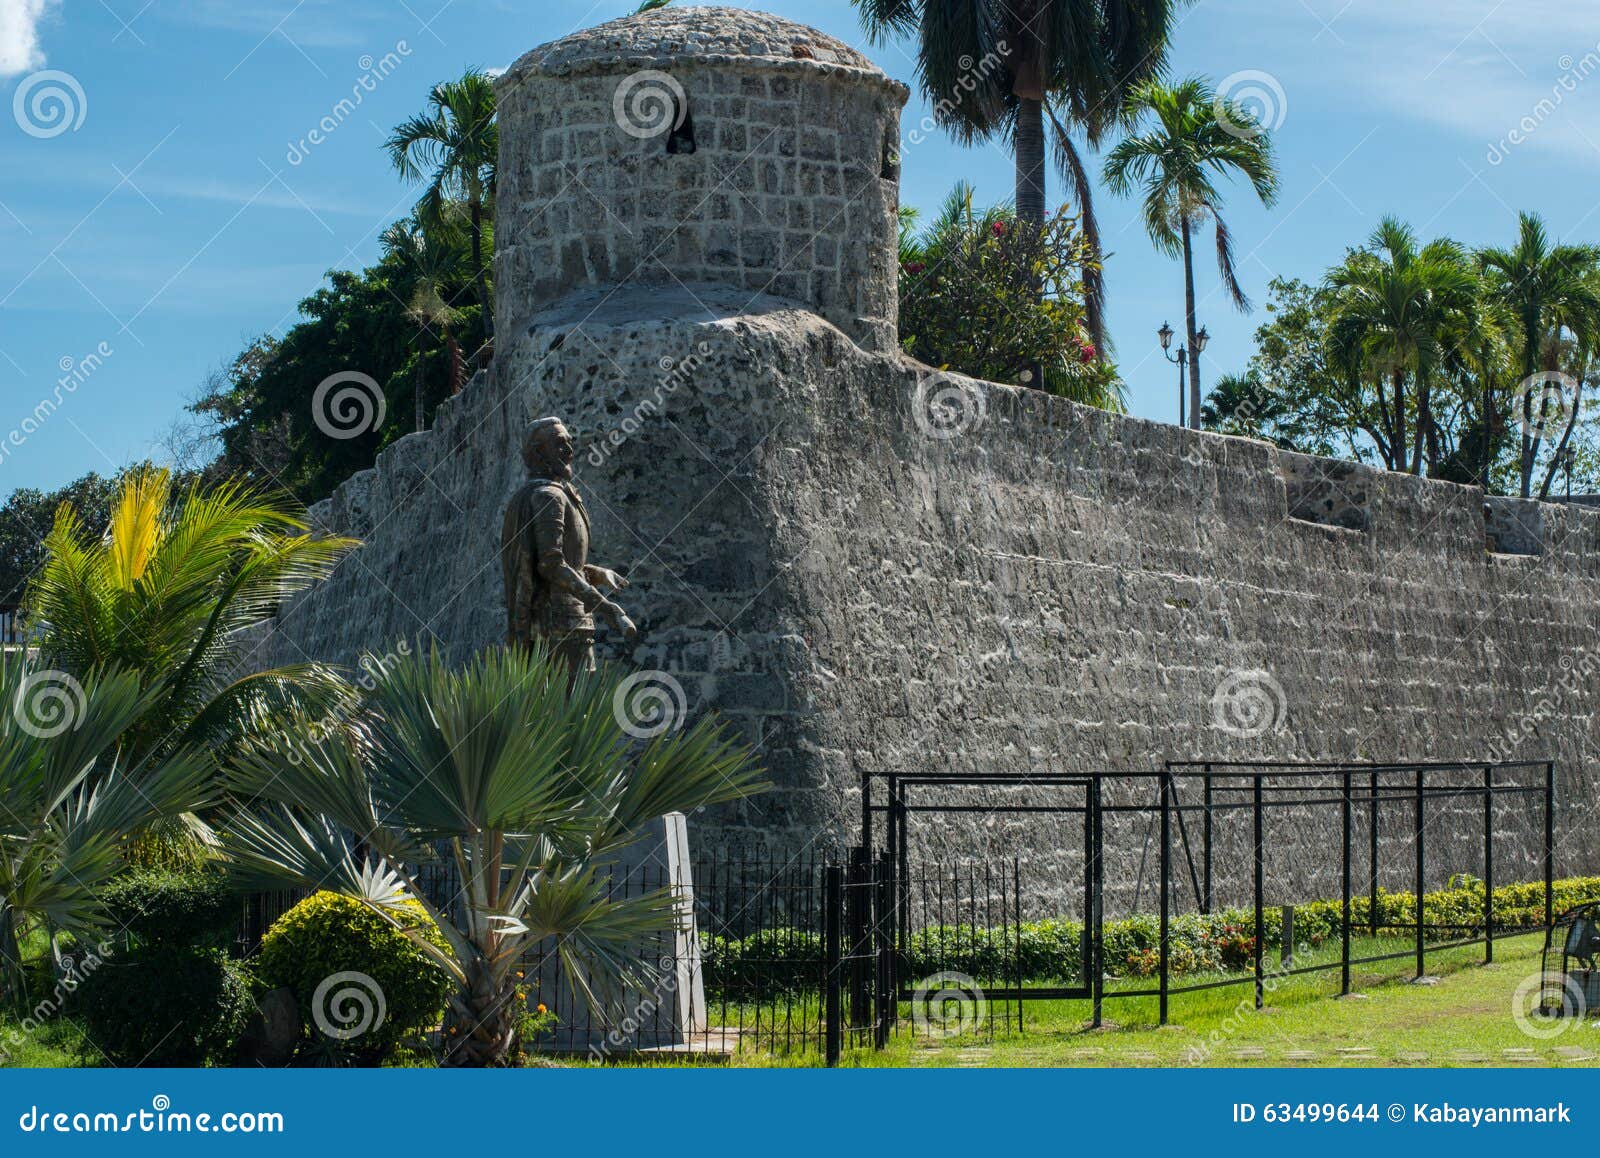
(553, 592)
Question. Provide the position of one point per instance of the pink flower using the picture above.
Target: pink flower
(1086, 352)
(999, 228)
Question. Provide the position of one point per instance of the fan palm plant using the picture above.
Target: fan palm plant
(1546, 288)
(70, 798)
(1193, 137)
(1397, 307)
(455, 147)
(521, 787)
(164, 594)
(433, 260)
(1010, 69)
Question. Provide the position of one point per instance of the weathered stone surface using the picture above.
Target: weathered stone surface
(866, 567)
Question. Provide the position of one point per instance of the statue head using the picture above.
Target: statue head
(547, 449)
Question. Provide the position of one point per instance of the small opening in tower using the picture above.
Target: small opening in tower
(681, 138)
(891, 159)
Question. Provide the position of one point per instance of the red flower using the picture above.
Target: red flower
(914, 267)
(999, 228)
(1086, 352)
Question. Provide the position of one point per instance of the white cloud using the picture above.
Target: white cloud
(19, 35)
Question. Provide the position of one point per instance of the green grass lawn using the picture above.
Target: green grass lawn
(1464, 1020)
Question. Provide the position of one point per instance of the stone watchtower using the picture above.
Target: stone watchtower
(701, 145)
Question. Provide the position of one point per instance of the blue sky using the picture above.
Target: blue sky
(169, 225)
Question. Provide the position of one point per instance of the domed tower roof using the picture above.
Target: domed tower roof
(692, 35)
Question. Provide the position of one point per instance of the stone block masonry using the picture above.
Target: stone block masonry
(865, 566)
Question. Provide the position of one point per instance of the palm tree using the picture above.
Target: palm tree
(165, 592)
(1013, 68)
(1546, 288)
(1397, 309)
(433, 261)
(528, 788)
(1195, 137)
(73, 795)
(455, 148)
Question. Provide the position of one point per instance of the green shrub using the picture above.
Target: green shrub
(193, 908)
(1052, 950)
(166, 1005)
(328, 934)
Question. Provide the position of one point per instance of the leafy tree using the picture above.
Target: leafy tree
(1396, 308)
(524, 787)
(969, 300)
(74, 795)
(434, 261)
(26, 519)
(1546, 289)
(455, 148)
(1004, 68)
(1190, 137)
(164, 593)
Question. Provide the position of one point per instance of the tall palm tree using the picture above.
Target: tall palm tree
(529, 788)
(1397, 309)
(1546, 288)
(165, 592)
(434, 261)
(1022, 70)
(1191, 139)
(73, 796)
(455, 147)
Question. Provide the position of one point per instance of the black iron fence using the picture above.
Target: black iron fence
(803, 953)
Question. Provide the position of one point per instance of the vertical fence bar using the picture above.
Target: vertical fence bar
(1372, 856)
(1205, 904)
(1096, 964)
(832, 918)
(1260, 890)
(1166, 889)
(1422, 949)
(1348, 817)
(1488, 864)
(1549, 845)
(883, 927)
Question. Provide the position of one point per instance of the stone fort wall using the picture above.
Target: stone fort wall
(860, 584)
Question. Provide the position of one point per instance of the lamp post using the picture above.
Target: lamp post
(1565, 459)
(1181, 360)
